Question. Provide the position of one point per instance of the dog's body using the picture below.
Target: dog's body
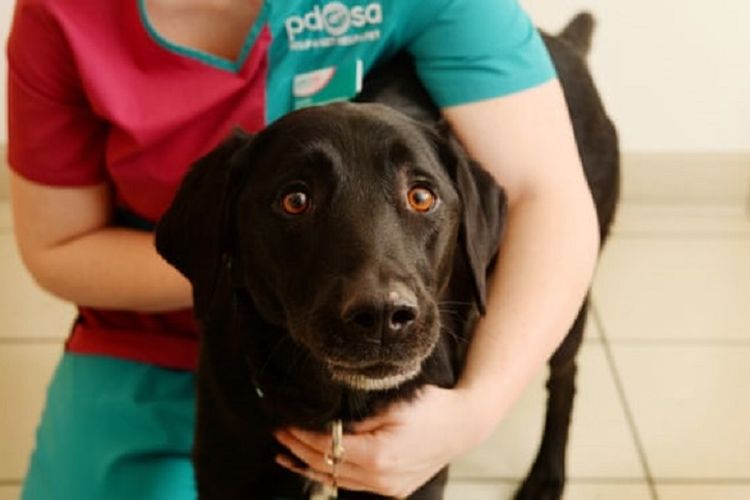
(338, 262)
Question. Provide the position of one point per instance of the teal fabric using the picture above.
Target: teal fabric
(114, 430)
(478, 49)
(466, 50)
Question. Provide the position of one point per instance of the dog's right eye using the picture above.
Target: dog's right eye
(421, 199)
(295, 203)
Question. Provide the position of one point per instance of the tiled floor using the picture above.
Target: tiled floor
(663, 408)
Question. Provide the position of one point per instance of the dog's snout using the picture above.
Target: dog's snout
(375, 318)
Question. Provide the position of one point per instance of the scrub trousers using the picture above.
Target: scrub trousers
(114, 429)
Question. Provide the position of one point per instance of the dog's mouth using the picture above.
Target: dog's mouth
(376, 376)
(368, 361)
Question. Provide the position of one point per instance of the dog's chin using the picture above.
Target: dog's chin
(380, 377)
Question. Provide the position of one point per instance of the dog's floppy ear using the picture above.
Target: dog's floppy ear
(484, 207)
(192, 234)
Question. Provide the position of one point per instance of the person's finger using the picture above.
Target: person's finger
(316, 458)
(363, 476)
(315, 440)
(342, 481)
(313, 457)
(308, 472)
(364, 451)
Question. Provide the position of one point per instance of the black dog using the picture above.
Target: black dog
(338, 262)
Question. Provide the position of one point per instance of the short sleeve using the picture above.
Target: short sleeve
(473, 50)
(54, 137)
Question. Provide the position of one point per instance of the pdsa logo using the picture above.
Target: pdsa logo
(331, 24)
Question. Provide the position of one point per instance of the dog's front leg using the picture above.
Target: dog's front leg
(546, 479)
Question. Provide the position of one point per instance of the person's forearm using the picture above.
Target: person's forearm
(112, 268)
(66, 240)
(549, 249)
(545, 267)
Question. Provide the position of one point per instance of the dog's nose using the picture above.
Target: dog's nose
(378, 318)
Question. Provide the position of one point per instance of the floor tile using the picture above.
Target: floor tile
(460, 490)
(681, 220)
(703, 491)
(691, 407)
(601, 444)
(26, 311)
(667, 288)
(25, 371)
(4, 168)
(479, 490)
(591, 332)
(10, 492)
(607, 491)
(5, 216)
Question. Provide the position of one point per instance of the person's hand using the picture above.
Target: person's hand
(395, 452)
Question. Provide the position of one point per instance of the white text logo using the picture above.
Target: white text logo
(333, 21)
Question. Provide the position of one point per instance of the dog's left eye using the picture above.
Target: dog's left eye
(421, 199)
(295, 203)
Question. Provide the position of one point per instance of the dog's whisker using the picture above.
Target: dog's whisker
(454, 302)
(298, 323)
(456, 313)
(358, 404)
(294, 363)
(272, 352)
(453, 335)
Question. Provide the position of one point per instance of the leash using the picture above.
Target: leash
(333, 458)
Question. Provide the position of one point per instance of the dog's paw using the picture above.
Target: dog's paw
(535, 488)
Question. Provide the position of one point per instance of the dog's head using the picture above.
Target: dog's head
(343, 224)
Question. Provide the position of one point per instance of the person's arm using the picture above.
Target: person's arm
(547, 259)
(66, 242)
(61, 203)
(549, 249)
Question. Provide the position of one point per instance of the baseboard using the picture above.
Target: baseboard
(702, 178)
(709, 178)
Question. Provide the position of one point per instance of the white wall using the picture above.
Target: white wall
(675, 74)
(6, 12)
